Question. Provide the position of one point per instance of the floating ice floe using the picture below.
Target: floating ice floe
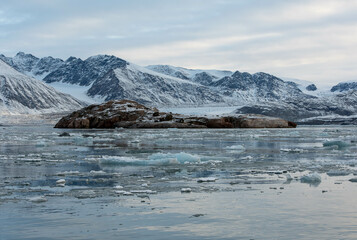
(186, 190)
(154, 159)
(68, 173)
(336, 144)
(174, 158)
(207, 179)
(353, 180)
(311, 178)
(148, 176)
(83, 141)
(61, 181)
(143, 191)
(332, 173)
(87, 194)
(292, 150)
(118, 187)
(125, 193)
(97, 172)
(236, 149)
(38, 199)
(288, 177)
(41, 143)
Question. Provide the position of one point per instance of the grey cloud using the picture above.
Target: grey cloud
(313, 40)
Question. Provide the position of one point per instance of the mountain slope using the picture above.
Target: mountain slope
(204, 77)
(344, 104)
(22, 94)
(84, 73)
(146, 86)
(33, 66)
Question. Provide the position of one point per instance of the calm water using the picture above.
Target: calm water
(125, 184)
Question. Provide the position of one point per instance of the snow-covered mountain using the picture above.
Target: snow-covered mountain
(22, 94)
(79, 72)
(204, 77)
(343, 104)
(102, 77)
(145, 86)
(33, 66)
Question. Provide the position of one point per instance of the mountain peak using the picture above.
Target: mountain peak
(25, 55)
(71, 58)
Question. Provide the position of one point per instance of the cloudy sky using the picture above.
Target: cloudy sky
(305, 39)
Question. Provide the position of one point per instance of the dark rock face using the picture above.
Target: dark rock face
(343, 87)
(259, 87)
(311, 87)
(130, 114)
(77, 71)
(27, 63)
(203, 78)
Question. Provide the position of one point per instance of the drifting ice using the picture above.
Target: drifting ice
(39, 199)
(311, 178)
(207, 179)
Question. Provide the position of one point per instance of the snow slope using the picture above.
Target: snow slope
(20, 94)
(149, 87)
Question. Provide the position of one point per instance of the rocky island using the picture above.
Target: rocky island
(130, 114)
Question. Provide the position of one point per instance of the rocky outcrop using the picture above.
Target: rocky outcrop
(130, 114)
(344, 87)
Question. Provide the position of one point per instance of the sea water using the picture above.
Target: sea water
(133, 183)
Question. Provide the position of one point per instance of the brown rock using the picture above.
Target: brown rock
(130, 114)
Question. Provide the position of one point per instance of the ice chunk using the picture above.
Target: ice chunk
(67, 173)
(206, 179)
(247, 158)
(61, 181)
(288, 177)
(174, 158)
(143, 191)
(40, 143)
(149, 176)
(38, 199)
(353, 180)
(336, 144)
(97, 172)
(118, 187)
(337, 173)
(311, 178)
(86, 194)
(186, 190)
(154, 159)
(292, 150)
(236, 148)
(125, 193)
(83, 141)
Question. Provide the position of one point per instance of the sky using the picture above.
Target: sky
(313, 40)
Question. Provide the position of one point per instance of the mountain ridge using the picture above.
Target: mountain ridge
(106, 77)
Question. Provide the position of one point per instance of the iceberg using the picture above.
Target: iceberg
(340, 145)
(39, 199)
(311, 178)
